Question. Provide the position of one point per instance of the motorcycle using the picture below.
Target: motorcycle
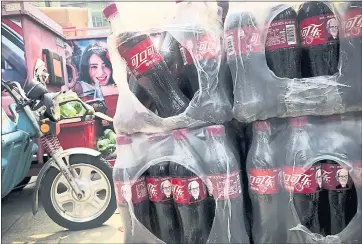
(75, 186)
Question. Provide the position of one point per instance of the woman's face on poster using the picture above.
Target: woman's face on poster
(98, 70)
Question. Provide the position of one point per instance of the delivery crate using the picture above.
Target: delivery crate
(79, 134)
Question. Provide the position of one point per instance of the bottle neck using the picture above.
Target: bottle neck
(115, 22)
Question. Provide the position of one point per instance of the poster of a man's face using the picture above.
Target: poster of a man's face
(332, 28)
(166, 189)
(194, 189)
(342, 178)
(91, 59)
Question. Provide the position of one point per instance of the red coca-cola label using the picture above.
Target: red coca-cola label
(188, 190)
(142, 57)
(243, 41)
(159, 189)
(356, 173)
(335, 177)
(264, 181)
(319, 30)
(224, 186)
(300, 181)
(352, 23)
(127, 191)
(282, 34)
(201, 47)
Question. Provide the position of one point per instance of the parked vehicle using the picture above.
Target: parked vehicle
(75, 185)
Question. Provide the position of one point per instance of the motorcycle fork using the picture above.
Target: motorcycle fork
(69, 173)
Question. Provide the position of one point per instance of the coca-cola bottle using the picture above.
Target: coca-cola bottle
(224, 186)
(282, 50)
(165, 222)
(246, 59)
(148, 66)
(337, 181)
(304, 183)
(139, 92)
(224, 5)
(189, 193)
(130, 193)
(169, 48)
(319, 35)
(264, 187)
(351, 58)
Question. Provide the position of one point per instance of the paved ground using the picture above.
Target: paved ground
(18, 225)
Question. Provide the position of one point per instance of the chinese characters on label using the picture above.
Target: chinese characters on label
(264, 181)
(188, 190)
(159, 188)
(319, 30)
(141, 57)
(135, 191)
(243, 41)
(297, 180)
(224, 186)
(352, 24)
(201, 47)
(281, 34)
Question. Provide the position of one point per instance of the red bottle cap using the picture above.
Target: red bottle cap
(298, 121)
(262, 125)
(123, 140)
(179, 134)
(215, 130)
(179, 1)
(110, 10)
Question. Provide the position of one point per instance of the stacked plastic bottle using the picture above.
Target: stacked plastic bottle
(174, 53)
(174, 185)
(188, 190)
(302, 62)
(305, 180)
(293, 60)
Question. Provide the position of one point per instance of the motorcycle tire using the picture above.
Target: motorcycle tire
(46, 193)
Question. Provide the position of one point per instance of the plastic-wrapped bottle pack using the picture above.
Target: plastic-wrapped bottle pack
(188, 190)
(290, 60)
(176, 55)
(305, 179)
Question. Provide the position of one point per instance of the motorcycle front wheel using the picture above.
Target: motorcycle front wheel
(97, 205)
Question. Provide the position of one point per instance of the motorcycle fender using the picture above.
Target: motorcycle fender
(51, 163)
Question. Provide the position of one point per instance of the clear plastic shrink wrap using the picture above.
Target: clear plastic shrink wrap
(305, 180)
(294, 59)
(192, 180)
(140, 33)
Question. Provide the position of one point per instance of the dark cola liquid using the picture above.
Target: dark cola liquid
(339, 190)
(140, 208)
(157, 80)
(351, 57)
(320, 44)
(308, 209)
(164, 219)
(264, 188)
(282, 50)
(193, 208)
(306, 195)
(169, 48)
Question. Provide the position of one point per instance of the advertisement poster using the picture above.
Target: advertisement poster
(91, 59)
